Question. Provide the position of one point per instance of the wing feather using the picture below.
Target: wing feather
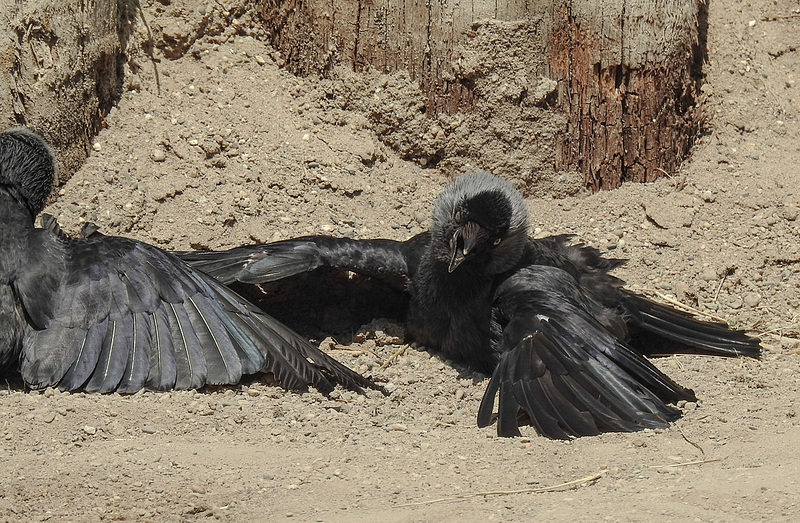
(564, 370)
(137, 367)
(122, 315)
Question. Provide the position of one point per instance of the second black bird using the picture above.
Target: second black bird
(106, 314)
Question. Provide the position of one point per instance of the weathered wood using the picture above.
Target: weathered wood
(628, 74)
(61, 70)
(627, 70)
(422, 37)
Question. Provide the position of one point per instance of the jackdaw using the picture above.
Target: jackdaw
(106, 314)
(564, 342)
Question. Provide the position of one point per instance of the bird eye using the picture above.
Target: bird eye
(497, 241)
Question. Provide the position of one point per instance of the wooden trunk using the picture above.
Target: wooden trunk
(61, 70)
(628, 71)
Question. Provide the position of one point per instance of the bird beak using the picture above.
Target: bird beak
(463, 242)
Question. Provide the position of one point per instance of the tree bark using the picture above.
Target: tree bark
(628, 71)
(629, 74)
(61, 70)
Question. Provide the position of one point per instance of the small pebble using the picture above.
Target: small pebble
(752, 299)
(88, 429)
(147, 429)
(790, 213)
(158, 155)
(398, 427)
(96, 146)
(46, 416)
(708, 275)
(198, 489)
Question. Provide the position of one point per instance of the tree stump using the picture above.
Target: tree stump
(628, 71)
(61, 70)
(629, 75)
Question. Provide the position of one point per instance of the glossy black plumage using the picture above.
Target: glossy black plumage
(563, 341)
(106, 314)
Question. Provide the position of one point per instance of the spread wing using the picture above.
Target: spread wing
(564, 370)
(113, 314)
(270, 262)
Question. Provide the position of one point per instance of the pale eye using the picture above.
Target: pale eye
(497, 241)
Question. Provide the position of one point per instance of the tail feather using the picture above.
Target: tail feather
(662, 326)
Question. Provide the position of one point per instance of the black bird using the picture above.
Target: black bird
(563, 341)
(106, 314)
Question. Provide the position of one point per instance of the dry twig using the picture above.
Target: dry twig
(686, 463)
(719, 287)
(692, 443)
(568, 485)
(684, 307)
(399, 352)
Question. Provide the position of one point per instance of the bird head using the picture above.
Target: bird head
(480, 218)
(27, 167)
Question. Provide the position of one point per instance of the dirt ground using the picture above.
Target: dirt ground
(232, 150)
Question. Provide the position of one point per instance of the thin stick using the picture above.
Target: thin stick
(351, 352)
(774, 333)
(686, 464)
(399, 352)
(569, 485)
(719, 287)
(687, 308)
(692, 443)
(150, 52)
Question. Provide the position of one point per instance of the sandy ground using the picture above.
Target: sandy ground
(233, 150)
